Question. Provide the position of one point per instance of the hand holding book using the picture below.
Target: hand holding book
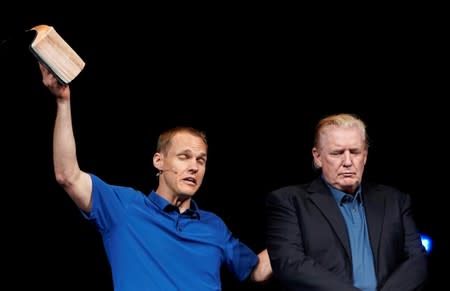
(56, 54)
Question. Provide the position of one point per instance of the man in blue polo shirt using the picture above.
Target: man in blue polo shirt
(159, 241)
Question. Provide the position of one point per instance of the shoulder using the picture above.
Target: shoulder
(387, 191)
(289, 192)
(316, 185)
(211, 223)
(211, 218)
(289, 189)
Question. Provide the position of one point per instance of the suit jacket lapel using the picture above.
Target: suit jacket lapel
(374, 208)
(323, 199)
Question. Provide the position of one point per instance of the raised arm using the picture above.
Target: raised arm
(75, 182)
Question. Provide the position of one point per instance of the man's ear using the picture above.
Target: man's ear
(158, 161)
(317, 163)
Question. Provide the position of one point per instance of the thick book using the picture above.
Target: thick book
(56, 54)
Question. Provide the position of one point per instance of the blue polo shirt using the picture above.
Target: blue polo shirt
(150, 245)
(352, 209)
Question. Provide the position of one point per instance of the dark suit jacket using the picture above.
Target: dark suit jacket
(308, 243)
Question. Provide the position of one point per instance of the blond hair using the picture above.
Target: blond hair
(340, 120)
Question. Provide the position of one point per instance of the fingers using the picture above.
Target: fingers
(47, 77)
(42, 67)
(44, 70)
(58, 89)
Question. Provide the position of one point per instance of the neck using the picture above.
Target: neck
(183, 202)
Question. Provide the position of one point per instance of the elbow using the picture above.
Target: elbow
(65, 178)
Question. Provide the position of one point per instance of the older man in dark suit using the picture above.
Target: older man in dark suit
(338, 233)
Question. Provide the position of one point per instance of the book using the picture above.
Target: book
(56, 54)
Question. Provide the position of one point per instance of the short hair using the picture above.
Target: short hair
(165, 138)
(340, 120)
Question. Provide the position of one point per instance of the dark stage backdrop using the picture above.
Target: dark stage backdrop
(256, 81)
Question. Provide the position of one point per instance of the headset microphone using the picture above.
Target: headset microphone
(166, 170)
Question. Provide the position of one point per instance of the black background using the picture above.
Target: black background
(255, 79)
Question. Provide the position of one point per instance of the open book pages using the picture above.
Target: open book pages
(56, 54)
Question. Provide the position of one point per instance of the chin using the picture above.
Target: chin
(347, 185)
(189, 192)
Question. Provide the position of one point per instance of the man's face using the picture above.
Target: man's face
(183, 167)
(342, 155)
